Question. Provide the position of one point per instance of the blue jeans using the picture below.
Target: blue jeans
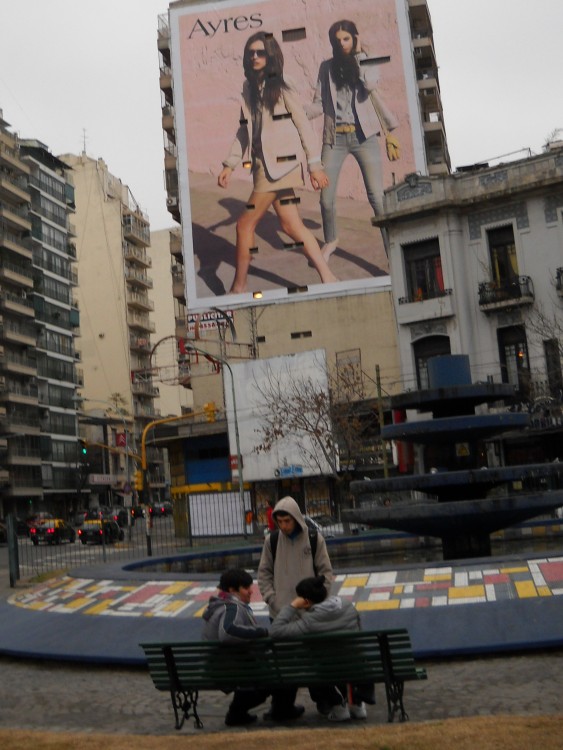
(366, 152)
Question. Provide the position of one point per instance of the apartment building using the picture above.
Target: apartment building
(39, 328)
(114, 294)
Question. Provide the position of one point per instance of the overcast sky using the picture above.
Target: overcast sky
(75, 72)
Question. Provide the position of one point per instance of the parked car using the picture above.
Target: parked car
(164, 508)
(120, 516)
(38, 518)
(52, 531)
(137, 511)
(92, 530)
(92, 514)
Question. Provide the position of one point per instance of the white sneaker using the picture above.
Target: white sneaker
(359, 711)
(339, 713)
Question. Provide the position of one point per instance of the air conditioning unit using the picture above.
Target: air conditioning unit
(172, 201)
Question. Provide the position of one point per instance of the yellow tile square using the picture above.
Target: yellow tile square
(466, 592)
(525, 589)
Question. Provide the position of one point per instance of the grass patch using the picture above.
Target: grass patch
(485, 733)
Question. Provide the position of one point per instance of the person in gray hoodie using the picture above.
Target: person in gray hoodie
(277, 578)
(312, 611)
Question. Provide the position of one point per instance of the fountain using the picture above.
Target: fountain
(460, 492)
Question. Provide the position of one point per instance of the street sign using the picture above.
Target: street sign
(293, 470)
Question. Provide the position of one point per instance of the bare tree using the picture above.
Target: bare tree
(331, 425)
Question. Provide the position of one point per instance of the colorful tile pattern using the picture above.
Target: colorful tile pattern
(390, 589)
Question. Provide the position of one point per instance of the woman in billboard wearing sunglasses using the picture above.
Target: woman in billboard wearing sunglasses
(273, 131)
(354, 116)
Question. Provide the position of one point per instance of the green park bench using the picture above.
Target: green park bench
(185, 668)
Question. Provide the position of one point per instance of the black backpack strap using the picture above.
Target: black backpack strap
(313, 539)
(274, 536)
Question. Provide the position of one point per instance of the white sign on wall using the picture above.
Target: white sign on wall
(296, 455)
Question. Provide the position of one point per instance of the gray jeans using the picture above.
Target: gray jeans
(366, 152)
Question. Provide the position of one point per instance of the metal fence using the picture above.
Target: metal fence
(196, 520)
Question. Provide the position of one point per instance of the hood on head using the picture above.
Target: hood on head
(289, 505)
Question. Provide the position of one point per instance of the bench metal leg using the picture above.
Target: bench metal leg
(184, 703)
(394, 690)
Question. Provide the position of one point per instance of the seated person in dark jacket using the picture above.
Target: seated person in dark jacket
(229, 618)
(313, 611)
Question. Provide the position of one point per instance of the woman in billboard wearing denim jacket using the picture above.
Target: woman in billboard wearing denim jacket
(346, 94)
(274, 130)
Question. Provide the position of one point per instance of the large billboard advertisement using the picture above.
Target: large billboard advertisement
(291, 119)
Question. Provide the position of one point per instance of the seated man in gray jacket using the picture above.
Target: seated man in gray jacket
(229, 618)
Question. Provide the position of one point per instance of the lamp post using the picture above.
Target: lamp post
(223, 361)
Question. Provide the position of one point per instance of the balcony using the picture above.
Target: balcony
(15, 242)
(416, 308)
(140, 301)
(494, 296)
(137, 254)
(16, 304)
(18, 333)
(139, 343)
(140, 388)
(16, 274)
(139, 277)
(140, 322)
(136, 229)
(15, 218)
(14, 190)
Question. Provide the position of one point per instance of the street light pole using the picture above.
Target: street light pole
(223, 361)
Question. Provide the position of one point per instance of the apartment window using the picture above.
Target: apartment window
(553, 366)
(423, 270)
(502, 252)
(425, 349)
(301, 334)
(514, 362)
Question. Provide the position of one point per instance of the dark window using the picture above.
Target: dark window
(432, 346)
(502, 251)
(514, 362)
(423, 269)
(553, 366)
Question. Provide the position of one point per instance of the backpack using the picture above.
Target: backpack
(313, 539)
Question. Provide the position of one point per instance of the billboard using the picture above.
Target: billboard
(283, 111)
(264, 390)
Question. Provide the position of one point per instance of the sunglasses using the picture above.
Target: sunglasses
(260, 53)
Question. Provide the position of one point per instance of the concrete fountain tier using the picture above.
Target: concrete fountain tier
(461, 506)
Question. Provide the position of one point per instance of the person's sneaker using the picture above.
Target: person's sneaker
(323, 708)
(359, 711)
(339, 713)
(287, 714)
(239, 720)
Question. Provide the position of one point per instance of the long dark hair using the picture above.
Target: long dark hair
(344, 68)
(273, 72)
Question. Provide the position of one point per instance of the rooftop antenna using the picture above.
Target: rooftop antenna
(84, 141)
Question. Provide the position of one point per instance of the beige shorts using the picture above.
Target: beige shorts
(263, 184)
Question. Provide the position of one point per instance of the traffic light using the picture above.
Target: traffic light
(209, 410)
(138, 480)
(83, 447)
